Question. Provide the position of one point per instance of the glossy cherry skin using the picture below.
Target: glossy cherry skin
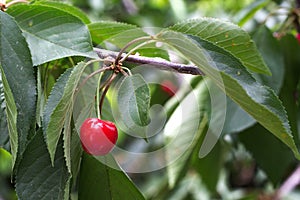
(98, 137)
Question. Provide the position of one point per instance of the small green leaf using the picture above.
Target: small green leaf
(248, 12)
(59, 104)
(99, 181)
(227, 36)
(52, 33)
(10, 117)
(36, 178)
(232, 77)
(133, 103)
(15, 60)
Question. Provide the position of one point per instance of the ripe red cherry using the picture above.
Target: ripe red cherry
(298, 37)
(169, 88)
(98, 137)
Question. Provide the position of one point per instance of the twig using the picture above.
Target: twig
(292, 181)
(154, 62)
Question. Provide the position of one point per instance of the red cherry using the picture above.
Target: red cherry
(98, 137)
(298, 37)
(168, 87)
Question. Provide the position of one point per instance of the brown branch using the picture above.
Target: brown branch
(154, 62)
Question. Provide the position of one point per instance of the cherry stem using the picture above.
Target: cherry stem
(128, 70)
(91, 75)
(112, 77)
(129, 44)
(98, 95)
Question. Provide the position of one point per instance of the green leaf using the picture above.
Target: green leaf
(40, 98)
(10, 118)
(36, 178)
(66, 8)
(106, 30)
(67, 134)
(133, 102)
(4, 137)
(76, 152)
(261, 145)
(233, 78)
(119, 34)
(236, 118)
(271, 51)
(98, 181)
(290, 86)
(59, 104)
(15, 60)
(52, 33)
(227, 36)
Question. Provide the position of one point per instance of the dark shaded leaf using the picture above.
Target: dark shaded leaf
(36, 178)
(60, 107)
(17, 67)
(4, 137)
(99, 181)
(268, 152)
(290, 91)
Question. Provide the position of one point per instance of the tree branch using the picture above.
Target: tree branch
(155, 62)
(292, 181)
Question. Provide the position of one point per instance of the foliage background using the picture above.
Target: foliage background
(241, 165)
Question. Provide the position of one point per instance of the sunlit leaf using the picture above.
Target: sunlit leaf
(106, 30)
(66, 8)
(59, 104)
(52, 33)
(227, 36)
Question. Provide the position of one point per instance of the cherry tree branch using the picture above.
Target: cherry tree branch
(154, 62)
(290, 184)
